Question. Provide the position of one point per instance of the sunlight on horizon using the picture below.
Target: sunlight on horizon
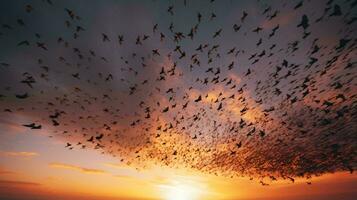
(182, 190)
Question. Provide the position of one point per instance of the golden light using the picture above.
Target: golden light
(181, 190)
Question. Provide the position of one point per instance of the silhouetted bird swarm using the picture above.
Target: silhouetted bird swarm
(268, 94)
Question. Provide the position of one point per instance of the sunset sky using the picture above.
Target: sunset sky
(178, 100)
(41, 168)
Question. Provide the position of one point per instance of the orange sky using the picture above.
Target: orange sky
(40, 167)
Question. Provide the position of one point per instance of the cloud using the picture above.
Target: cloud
(18, 183)
(77, 168)
(4, 171)
(114, 165)
(19, 154)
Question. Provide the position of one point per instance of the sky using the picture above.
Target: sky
(178, 99)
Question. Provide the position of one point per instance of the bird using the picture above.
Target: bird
(22, 96)
(28, 8)
(298, 5)
(170, 10)
(33, 126)
(236, 28)
(217, 33)
(230, 66)
(155, 52)
(304, 22)
(105, 38)
(165, 109)
(199, 98)
(42, 46)
(99, 137)
(91, 139)
(245, 14)
(257, 30)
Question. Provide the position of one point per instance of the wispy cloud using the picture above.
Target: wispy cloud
(18, 183)
(114, 165)
(77, 168)
(19, 154)
(4, 171)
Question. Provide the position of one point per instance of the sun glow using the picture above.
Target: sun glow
(179, 190)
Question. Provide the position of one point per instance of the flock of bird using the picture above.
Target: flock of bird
(268, 111)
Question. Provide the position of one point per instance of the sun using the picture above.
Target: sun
(180, 191)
